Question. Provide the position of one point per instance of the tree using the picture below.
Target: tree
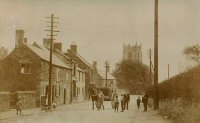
(192, 52)
(131, 75)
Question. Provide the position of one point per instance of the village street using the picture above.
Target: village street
(82, 113)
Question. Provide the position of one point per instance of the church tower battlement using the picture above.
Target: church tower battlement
(132, 52)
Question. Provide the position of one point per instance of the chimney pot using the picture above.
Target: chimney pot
(73, 48)
(19, 40)
(57, 46)
(94, 64)
(46, 42)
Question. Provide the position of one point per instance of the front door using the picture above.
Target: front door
(65, 95)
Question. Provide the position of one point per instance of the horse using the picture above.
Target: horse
(93, 93)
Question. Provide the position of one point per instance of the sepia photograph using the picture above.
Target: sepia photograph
(99, 61)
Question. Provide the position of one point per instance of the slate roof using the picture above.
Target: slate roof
(43, 53)
(62, 54)
(81, 58)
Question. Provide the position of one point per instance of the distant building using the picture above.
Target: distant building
(108, 82)
(3, 53)
(132, 52)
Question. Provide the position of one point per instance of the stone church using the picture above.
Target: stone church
(132, 52)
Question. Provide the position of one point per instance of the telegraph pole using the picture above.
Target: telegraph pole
(168, 71)
(156, 96)
(107, 66)
(51, 30)
(150, 80)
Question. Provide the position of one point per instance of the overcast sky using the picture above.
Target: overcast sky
(99, 27)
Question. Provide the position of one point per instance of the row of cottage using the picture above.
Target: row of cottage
(26, 69)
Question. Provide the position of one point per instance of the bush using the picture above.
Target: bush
(185, 85)
(180, 111)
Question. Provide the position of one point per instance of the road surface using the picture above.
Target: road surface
(83, 113)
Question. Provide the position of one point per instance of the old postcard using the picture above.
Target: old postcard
(102, 61)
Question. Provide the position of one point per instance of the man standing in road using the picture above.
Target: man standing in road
(145, 102)
(122, 102)
(127, 100)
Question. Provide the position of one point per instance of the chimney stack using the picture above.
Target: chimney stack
(57, 46)
(94, 64)
(73, 47)
(46, 42)
(19, 39)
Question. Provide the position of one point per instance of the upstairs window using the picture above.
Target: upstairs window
(74, 69)
(57, 74)
(25, 68)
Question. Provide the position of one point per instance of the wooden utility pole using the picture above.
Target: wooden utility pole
(156, 96)
(168, 71)
(150, 79)
(71, 93)
(107, 66)
(51, 30)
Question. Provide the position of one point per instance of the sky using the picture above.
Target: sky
(100, 27)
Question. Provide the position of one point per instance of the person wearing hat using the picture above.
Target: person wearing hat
(138, 102)
(145, 102)
(101, 98)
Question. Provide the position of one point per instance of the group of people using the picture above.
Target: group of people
(144, 101)
(123, 99)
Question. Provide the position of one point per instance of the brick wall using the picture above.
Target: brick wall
(12, 78)
(27, 98)
(4, 101)
(12, 74)
(59, 82)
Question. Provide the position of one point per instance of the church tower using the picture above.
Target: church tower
(132, 52)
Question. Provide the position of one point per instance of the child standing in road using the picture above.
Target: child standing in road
(116, 103)
(19, 107)
(138, 102)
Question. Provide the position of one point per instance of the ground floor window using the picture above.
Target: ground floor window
(74, 88)
(57, 91)
(43, 91)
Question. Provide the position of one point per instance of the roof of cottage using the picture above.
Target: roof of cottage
(81, 58)
(44, 54)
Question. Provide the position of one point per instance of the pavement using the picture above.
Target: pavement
(83, 113)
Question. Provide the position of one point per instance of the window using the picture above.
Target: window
(83, 77)
(74, 69)
(57, 75)
(43, 90)
(57, 90)
(129, 55)
(25, 68)
(67, 76)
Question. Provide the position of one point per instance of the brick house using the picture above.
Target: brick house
(26, 68)
(77, 78)
(91, 73)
